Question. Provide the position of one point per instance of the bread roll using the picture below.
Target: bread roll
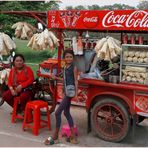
(135, 59)
(142, 55)
(125, 72)
(129, 59)
(147, 54)
(130, 73)
(145, 60)
(131, 53)
(128, 78)
(126, 53)
(125, 59)
(137, 75)
(137, 54)
(140, 60)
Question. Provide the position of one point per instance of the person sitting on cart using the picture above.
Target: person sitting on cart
(70, 77)
(20, 82)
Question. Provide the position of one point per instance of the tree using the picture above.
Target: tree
(143, 5)
(117, 7)
(94, 7)
(80, 7)
(69, 8)
(6, 21)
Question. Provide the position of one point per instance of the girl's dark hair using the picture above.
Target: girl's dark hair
(68, 51)
(18, 55)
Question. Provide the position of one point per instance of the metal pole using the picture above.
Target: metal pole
(60, 47)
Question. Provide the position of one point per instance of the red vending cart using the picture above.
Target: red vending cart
(110, 107)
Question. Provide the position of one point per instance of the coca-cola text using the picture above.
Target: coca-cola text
(138, 18)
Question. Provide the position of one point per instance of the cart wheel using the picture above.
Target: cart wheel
(110, 120)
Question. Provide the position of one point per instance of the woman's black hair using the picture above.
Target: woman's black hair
(68, 51)
(18, 55)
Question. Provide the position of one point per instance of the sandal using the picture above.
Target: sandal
(72, 140)
(51, 141)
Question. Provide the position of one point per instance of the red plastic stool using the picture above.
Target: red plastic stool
(14, 113)
(65, 131)
(36, 125)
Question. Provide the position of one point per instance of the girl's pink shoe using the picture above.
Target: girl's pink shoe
(65, 131)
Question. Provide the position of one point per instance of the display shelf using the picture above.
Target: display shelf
(128, 48)
(135, 64)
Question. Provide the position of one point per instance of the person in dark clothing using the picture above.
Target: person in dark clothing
(71, 79)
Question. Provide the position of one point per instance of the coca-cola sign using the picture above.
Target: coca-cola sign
(99, 20)
(136, 19)
(90, 20)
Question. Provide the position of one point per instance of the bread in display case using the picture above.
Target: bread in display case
(134, 64)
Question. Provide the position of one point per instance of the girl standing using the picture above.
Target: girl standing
(71, 79)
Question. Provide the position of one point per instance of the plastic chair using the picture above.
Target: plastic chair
(65, 131)
(15, 115)
(35, 106)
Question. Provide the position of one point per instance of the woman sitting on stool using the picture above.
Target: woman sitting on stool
(20, 79)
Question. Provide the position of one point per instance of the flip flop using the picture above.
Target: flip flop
(72, 140)
(50, 141)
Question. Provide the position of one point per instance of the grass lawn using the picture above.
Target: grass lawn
(32, 56)
(34, 67)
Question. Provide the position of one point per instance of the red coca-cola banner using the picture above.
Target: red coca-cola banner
(99, 20)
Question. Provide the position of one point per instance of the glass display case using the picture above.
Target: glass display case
(134, 64)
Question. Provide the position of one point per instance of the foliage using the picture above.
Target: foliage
(94, 7)
(117, 7)
(80, 7)
(97, 7)
(143, 5)
(69, 8)
(6, 21)
(27, 5)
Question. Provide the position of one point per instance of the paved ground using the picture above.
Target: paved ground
(13, 135)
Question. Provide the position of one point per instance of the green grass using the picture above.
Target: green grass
(32, 56)
(34, 67)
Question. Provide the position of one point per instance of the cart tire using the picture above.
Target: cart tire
(110, 120)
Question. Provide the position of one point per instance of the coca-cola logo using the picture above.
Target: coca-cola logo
(136, 19)
(90, 20)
